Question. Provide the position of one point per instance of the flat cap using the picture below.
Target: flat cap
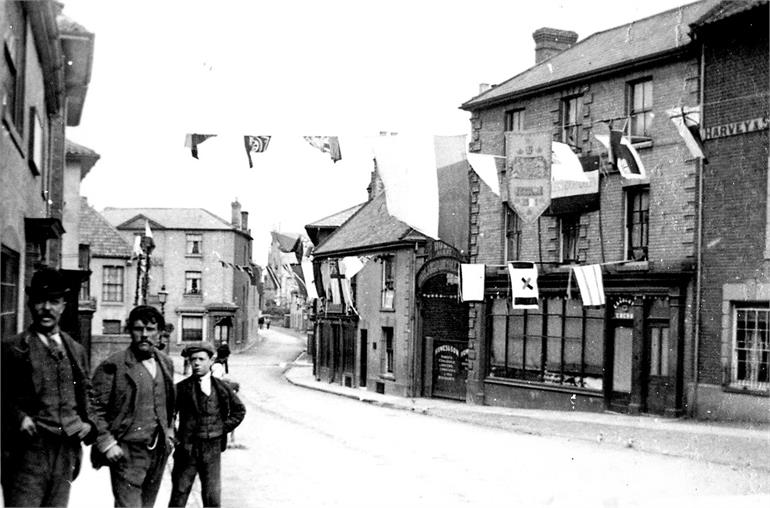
(198, 347)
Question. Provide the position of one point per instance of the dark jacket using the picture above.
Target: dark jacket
(231, 409)
(22, 382)
(113, 398)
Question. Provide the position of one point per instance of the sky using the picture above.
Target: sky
(287, 69)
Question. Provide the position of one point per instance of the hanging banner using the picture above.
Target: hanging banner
(528, 172)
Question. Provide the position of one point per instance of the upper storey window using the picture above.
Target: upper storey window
(640, 110)
(570, 121)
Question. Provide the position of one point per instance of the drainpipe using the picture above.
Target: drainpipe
(698, 248)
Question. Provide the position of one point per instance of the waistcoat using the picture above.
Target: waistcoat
(58, 409)
(149, 407)
(209, 419)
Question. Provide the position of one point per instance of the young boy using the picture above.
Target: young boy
(208, 410)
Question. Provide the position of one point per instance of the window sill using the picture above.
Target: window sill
(113, 304)
(193, 295)
(633, 266)
(387, 377)
(743, 390)
(387, 310)
(193, 255)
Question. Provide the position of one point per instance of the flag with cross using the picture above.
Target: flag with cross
(524, 293)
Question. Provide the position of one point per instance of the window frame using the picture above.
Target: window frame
(187, 337)
(189, 282)
(513, 231)
(388, 350)
(388, 283)
(9, 287)
(569, 238)
(118, 295)
(109, 331)
(567, 128)
(190, 245)
(754, 385)
(631, 223)
(645, 112)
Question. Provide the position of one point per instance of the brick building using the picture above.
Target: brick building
(633, 354)
(732, 377)
(200, 260)
(45, 69)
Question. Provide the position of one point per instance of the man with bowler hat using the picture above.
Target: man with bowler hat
(132, 401)
(208, 410)
(44, 402)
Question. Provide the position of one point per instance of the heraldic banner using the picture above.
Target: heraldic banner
(528, 172)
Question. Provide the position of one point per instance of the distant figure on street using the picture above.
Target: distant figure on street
(208, 410)
(223, 353)
(132, 401)
(261, 322)
(44, 402)
(267, 322)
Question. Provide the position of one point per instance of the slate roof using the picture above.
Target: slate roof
(728, 8)
(336, 219)
(168, 218)
(602, 51)
(370, 226)
(103, 239)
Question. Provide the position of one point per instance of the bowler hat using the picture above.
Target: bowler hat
(198, 347)
(47, 282)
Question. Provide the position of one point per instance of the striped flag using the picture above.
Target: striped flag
(622, 155)
(255, 144)
(687, 122)
(327, 144)
(591, 284)
(524, 292)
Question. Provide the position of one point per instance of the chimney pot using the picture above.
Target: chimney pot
(235, 219)
(245, 221)
(552, 41)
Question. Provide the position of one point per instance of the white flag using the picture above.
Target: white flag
(524, 293)
(486, 167)
(308, 275)
(472, 282)
(591, 284)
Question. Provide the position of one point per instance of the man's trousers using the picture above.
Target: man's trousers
(204, 457)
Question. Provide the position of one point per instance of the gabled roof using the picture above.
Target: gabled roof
(188, 219)
(84, 155)
(370, 226)
(336, 219)
(103, 239)
(602, 51)
(728, 8)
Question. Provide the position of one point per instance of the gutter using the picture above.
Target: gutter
(367, 249)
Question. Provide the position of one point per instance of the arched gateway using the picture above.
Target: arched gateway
(442, 326)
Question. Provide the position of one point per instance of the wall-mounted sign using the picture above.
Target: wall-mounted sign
(734, 128)
(528, 172)
(622, 308)
(446, 360)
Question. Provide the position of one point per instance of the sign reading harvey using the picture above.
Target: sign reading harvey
(528, 172)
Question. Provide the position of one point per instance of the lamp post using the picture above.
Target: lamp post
(162, 297)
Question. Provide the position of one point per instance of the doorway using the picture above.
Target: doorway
(363, 351)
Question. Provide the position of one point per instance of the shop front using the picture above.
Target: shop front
(625, 356)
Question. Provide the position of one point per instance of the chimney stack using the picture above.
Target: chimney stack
(245, 221)
(236, 216)
(375, 184)
(552, 41)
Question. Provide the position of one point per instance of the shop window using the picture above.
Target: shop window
(561, 343)
(111, 327)
(192, 328)
(192, 283)
(640, 113)
(637, 223)
(751, 348)
(112, 284)
(569, 231)
(388, 282)
(571, 113)
(512, 234)
(193, 242)
(9, 291)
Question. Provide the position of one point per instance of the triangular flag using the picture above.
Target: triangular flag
(565, 164)
(524, 292)
(687, 122)
(327, 144)
(472, 282)
(351, 265)
(193, 140)
(148, 234)
(591, 284)
(486, 166)
(255, 144)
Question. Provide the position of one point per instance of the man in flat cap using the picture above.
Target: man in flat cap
(44, 402)
(132, 401)
(208, 410)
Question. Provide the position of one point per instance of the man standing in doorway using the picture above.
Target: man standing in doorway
(132, 401)
(208, 410)
(44, 402)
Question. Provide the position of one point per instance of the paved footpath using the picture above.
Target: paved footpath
(737, 445)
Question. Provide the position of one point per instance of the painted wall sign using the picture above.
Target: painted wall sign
(528, 172)
(735, 128)
(446, 359)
